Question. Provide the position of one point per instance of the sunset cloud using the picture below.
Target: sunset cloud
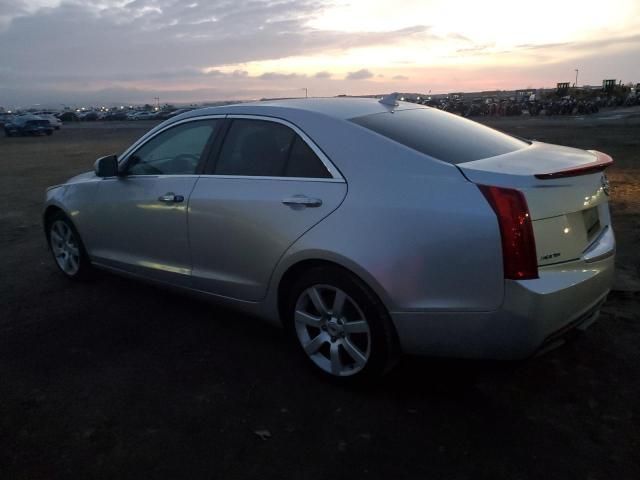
(361, 74)
(55, 50)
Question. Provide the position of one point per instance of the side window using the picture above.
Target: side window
(267, 149)
(176, 151)
(255, 148)
(304, 163)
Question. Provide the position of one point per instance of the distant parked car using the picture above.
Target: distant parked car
(28, 125)
(55, 122)
(5, 118)
(144, 116)
(68, 117)
(116, 116)
(89, 116)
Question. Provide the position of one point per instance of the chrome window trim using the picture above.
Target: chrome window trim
(333, 171)
(232, 177)
(150, 135)
(280, 179)
(155, 175)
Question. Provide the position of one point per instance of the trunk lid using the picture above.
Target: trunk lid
(566, 192)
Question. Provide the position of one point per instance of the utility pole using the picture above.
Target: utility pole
(157, 99)
(306, 92)
(576, 85)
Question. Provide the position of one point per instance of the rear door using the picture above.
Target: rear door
(266, 186)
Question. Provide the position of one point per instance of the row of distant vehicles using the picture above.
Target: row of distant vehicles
(30, 124)
(46, 122)
(119, 114)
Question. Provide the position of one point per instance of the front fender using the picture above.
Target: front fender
(75, 201)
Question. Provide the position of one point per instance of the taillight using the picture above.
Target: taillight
(518, 244)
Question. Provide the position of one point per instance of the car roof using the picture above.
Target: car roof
(338, 107)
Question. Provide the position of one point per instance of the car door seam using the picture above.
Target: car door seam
(188, 215)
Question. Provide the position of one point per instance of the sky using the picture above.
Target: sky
(69, 52)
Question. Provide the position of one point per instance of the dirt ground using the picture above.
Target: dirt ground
(117, 379)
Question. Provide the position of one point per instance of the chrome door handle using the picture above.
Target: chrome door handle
(170, 197)
(302, 200)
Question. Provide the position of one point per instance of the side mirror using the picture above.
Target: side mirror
(106, 166)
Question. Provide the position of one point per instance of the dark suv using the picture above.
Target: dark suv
(27, 125)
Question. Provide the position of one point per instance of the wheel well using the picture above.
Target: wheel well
(48, 213)
(295, 271)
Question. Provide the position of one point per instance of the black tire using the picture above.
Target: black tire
(84, 269)
(49, 133)
(383, 350)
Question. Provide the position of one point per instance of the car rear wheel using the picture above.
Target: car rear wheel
(67, 248)
(340, 327)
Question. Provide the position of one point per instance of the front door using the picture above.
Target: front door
(141, 215)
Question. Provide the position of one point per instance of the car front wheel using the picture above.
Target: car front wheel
(340, 326)
(67, 248)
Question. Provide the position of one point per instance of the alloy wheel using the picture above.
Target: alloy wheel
(332, 330)
(65, 247)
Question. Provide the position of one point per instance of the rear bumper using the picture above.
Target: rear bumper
(534, 315)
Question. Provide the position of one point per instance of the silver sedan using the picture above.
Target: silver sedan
(366, 228)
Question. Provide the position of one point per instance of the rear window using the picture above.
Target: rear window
(441, 135)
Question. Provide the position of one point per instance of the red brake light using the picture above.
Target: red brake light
(518, 244)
